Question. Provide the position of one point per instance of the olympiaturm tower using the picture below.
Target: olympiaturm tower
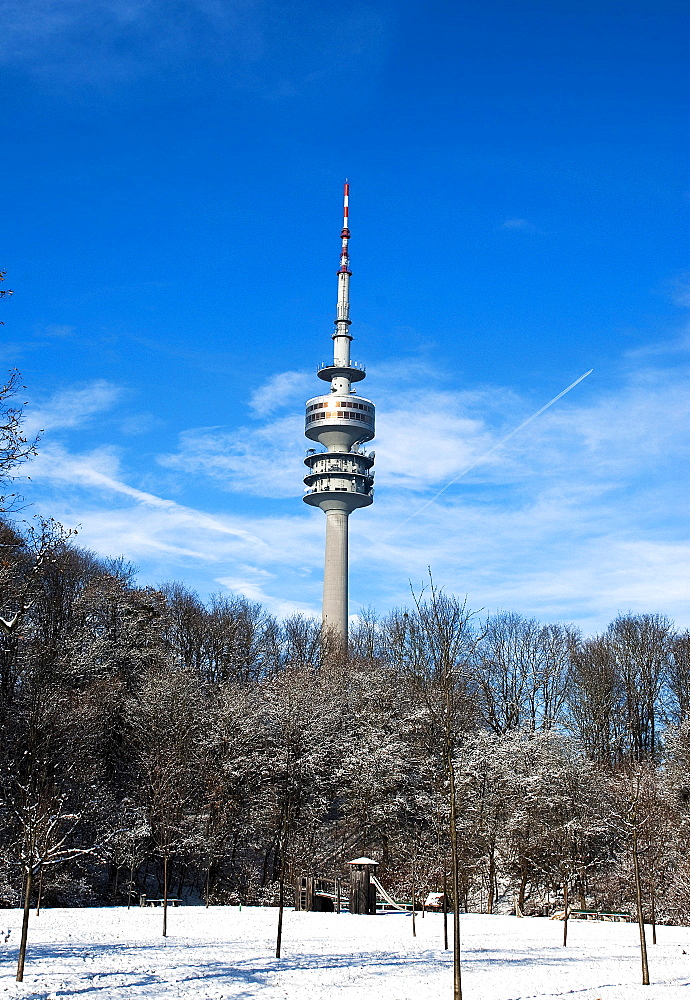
(339, 479)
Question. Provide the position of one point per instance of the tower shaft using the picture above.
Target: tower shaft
(334, 616)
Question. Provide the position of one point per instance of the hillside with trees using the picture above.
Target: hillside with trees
(151, 738)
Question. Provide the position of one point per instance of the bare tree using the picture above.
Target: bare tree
(42, 780)
(15, 446)
(438, 643)
(300, 724)
(634, 822)
(4, 291)
(679, 678)
(640, 646)
(47, 830)
(596, 700)
(45, 543)
(521, 672)
(676, 860)
(166, 727)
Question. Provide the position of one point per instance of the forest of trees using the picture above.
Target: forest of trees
(144, 731)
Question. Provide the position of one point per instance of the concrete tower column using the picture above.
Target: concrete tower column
(335, 576)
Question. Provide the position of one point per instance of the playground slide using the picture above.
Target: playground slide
(391, 902)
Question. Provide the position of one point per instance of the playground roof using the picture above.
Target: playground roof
(363, 861)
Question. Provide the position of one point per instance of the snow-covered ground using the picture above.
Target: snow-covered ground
(222, 952)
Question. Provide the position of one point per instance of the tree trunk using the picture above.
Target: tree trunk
(565, 915)
(414, 915)
(40, 894)
(492, 879)
(521, 895)
(652, 888)
(131, 881)
(25, 927)
(457, 982)
(281, 903)
(165, 895)
(208, 875)
(445, 909)
(638, 897)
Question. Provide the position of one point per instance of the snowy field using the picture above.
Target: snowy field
(112, 954)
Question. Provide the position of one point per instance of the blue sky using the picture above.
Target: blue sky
(172, 175)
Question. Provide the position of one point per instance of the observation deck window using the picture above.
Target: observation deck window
(346, 413)
(350, 404)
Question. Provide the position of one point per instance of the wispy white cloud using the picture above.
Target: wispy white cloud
(637, 428)
(108, 39)
(279, 392)
(254, 584)
(265, 558)
(100, 469)
(517, 224)
(59, 330)
(680, 290)
(424, 438)
(73, 407)
(560, 555)
(257, 460)
(672, 346)
(265, 49)
(139, 423)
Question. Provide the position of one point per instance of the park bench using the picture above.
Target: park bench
(145, 901)
(613, 915)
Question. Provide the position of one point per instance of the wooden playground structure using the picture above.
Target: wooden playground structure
(362, 893)
(326, 895)
(321, 895)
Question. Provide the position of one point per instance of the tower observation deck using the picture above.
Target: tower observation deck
(339, 479)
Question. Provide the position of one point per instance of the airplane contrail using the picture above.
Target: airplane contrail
(482, 458)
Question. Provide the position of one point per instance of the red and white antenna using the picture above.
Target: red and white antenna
(345, 233)
(342, 336)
